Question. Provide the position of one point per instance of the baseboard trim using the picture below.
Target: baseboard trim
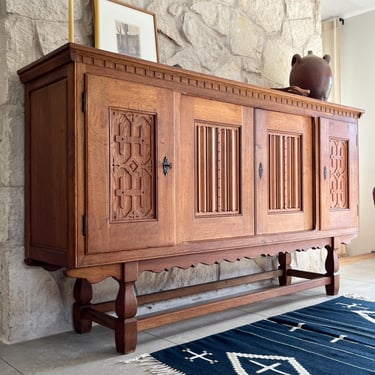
(357, 258)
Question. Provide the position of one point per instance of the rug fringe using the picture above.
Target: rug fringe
(153, 366)
(357, 296)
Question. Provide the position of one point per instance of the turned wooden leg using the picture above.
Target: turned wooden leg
(126, 309)
(285, 259)
(332, 268)
(82, 295)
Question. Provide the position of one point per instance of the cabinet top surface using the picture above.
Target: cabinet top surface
(180, 80)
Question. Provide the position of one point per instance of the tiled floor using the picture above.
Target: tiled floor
(94, 353)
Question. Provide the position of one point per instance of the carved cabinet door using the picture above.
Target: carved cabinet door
(338, 174)
(215, 174)
(283, 172)
(129, 131)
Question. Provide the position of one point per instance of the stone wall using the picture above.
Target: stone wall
(247, 40)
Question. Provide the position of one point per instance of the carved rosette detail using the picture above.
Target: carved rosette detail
(338, 174)
(133, 170)
(285, 171)
(218, 166)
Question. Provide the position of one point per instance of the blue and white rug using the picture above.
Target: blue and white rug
(335, 337)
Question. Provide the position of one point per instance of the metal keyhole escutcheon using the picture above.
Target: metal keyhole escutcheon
(166, 165)
(260, 170)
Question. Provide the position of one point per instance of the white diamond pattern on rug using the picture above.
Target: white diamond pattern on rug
(246, 364)
(333, 337)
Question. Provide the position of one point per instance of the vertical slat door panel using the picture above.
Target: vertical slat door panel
(284, 184)
(216, 149)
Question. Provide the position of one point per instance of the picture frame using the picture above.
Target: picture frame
(125, 29)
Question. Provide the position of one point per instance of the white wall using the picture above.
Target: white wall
(358, 90)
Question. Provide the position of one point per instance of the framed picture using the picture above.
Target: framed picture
(125, 29)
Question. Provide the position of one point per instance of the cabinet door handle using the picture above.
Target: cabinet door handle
(325, 172)
(260, 169)
(166, 165)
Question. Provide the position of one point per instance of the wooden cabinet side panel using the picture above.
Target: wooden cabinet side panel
(48, 195)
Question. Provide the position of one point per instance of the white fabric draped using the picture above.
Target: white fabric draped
(331, 45)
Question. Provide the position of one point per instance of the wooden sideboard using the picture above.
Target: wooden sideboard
(134, 166)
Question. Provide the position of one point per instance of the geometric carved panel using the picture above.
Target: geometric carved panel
(285, 171)
(132, 138)
(217, 169)
(339, 173)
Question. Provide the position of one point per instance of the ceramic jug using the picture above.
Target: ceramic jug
(312, 73)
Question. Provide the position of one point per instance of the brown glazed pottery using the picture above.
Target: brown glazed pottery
(312, 73)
